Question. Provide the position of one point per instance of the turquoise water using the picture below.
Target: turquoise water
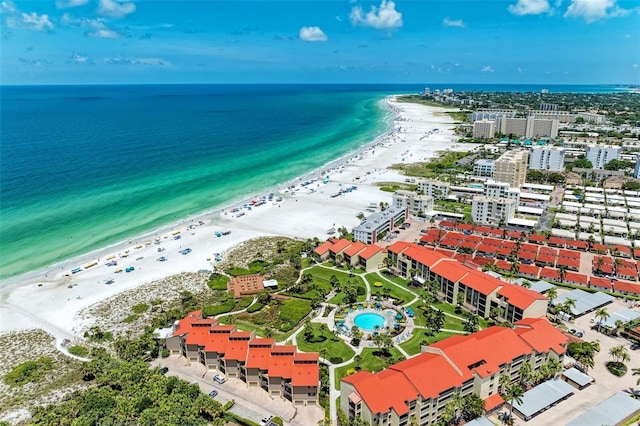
(86, 167)
(369, 321)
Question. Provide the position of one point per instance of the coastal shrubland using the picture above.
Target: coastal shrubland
(444, 163)
(33, 372)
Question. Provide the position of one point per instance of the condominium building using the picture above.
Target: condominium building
(540, 127)
(369, 230)
(433, 188)
(493, 189)
(511, 168)
(280, 370)
(636, 169)
(600, 155)
(492, 114)
(512, 126)
(484, 129)
(547, 158)
(417, 204)
(493, 211)
(355, 253)
(481, 293)
(484, 167)
(420, 387)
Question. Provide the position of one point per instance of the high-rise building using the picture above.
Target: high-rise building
(492, 211)
(636, 169)
(484, 129)
(600, 155)
(492, 114)
(433, 188)
(484, 167)
(513, 126)
(542, 127)
(547, 158)
(511, 168)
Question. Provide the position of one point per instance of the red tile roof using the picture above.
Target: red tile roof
(537, 238)
(428, 239)
(504, 251)
(468, 244)
(492, 402)
(258, 358)
(339, 246)
(503, 265)
(305, 375)
(531, 270)
(526, 255)
(636, 253)
(482, 230)
(626, 272)
(626, 287)
(306, 356)
(575, 278)
(237, 350)
(451, 270)
(487, 248)
(545, 258)
(600, 282)
(529, 247)
(497, 232)
(557, 241)
(399, 246)
(369, 386)
(449, 242)
(446, 224)
(583, 245)
(354, 248)
(445, 252)
(541, 335)
(430, 374)
(520, 297)
(423, 255)
(492, 241)
(464, 227)
(569, 254)
(549, 273)
(483, 283)
(370, 251)
(621, 249)
(323, 248)
(454, 235)
(280, 366)
(481, 260)
(548, 251)
(599, 247)
(515, 235)
(509, 244)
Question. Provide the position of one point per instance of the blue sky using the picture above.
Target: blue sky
(305, 41)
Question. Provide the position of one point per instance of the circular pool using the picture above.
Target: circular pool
(369, 321)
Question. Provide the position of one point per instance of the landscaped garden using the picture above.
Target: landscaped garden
(371, 359)
(323, 341)
(422, 337)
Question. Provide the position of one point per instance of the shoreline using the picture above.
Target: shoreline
(304, 212)
(209, 214)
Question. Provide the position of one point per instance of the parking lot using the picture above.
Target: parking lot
(251, 403)
(605, 385)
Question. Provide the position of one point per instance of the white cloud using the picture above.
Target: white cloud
(634, 66)
(453, 23)
(8, 7)
(592, 10)
(66, 4)
(104, 33)
(31, 21)
(312, 34)
(521, 70)
(486, 68)
(530, 7)
(115, 9)
(384, 17)
(80, 59)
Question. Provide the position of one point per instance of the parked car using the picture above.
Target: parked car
(219, 379)
(213, 393)
(635, 346)
(266, 420)
(164, 370)
(579, 334)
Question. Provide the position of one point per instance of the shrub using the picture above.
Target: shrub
(78, 350)
(228, 405)
(278, 421)
(131, 318)
(336, 360)
(293, 311)
(361, 291)
(219, 309)
(244, 302)
(236, 271)
(140, 308)
(218, 282)
(165, 353)
(28, 371)
(255, 307)
(351, 371)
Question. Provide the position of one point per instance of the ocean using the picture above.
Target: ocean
(85, 167)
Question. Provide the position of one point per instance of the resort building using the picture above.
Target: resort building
(484, 167)
(481, 293)
(417, 204)
(492, 114)
(245, 285)
(636, 169)
(433, 188)
(547, 158)
(541, 127)
(600, 155)
(484, 129)
(512, 126)
(493, 211)
(357, 254)
(378, 223)
(511, 168)
(493, 189)
(460, 365)
(278, 369)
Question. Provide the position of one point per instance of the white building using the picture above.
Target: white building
(493, 211)
(433, 188)
(537, 127)
(417, 204)
(493, 189)
(484, 167)
(368, 231)
(636, 169)
(600, 155)
(492, 114)
(484, 129)
(547, 158)
(513, 126)
(511, 168)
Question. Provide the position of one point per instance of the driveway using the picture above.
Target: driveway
(251, 403)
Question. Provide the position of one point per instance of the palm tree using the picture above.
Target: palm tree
(472, 323)
(568, 305)
(438, 319)
(552, 293)
(514, 393)
(525, 373)
(503, 381)
(619, 354)
(636, 372)
(603, 314)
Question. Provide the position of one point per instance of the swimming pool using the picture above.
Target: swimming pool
(369, 321)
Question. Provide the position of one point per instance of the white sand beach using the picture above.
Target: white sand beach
(51, 299)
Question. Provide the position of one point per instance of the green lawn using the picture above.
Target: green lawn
(418, 318)
(370, 362)
(337, 299)
(395, 291)
(324, 340)
(419, 338)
